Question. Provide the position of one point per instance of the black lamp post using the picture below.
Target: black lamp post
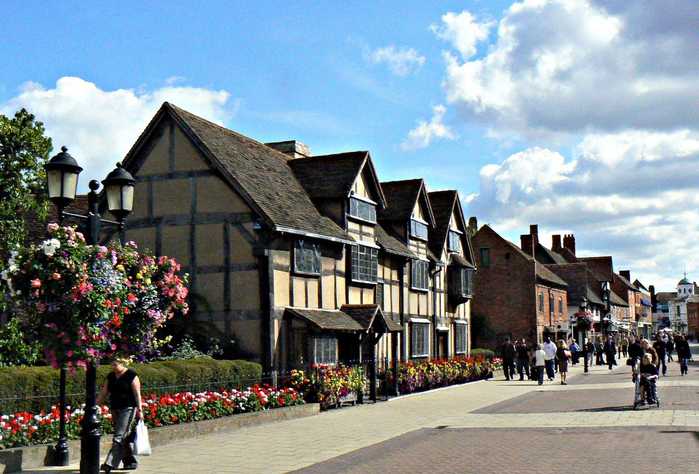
(583, 310)
(62, 179)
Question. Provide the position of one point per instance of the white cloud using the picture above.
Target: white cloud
(99, 126)
(400, 61)
(462, 31)
(426, 132)
(575, 66)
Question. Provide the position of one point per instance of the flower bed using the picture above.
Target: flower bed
(24, 428)
(329, 385)
(425, 375)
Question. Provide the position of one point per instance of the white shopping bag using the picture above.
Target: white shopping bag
(141, 443)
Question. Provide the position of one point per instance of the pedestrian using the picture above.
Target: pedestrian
(508, 359)
(636, 352)
(124, 390)
(649, 376)
(624, 346)
(589, 351)
(660, 347)
(575, 352)
(562, 354)
(599, 351)
(539, 363)
(670, 347)
(649, 349)
(550, 352)
(523, 359)
(684, 353)
(610, 352)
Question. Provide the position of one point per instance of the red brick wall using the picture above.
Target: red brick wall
(504, 291)
(548, 318)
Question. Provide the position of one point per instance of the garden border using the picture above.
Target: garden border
(15, 460)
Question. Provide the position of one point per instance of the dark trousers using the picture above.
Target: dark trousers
(683, 365)
(610, 360)
(661, 362)
(523, 368)
(123, 421)
(550, 364)
(508, 366)
(539, 374)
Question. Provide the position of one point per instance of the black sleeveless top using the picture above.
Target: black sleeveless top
(120, 392)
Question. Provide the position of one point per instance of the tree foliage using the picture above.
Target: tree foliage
(24, 149)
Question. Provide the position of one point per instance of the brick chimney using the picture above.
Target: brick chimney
(528, 241)
(472, 225)
(626, 274)
(653, 298)
(293, 148)
(569, 242)
(556, 242)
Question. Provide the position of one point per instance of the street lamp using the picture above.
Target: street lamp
(583, 310)
(62, 180)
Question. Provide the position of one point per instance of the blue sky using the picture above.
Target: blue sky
(581, 116)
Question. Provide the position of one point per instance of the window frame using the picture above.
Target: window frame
(458, 327)
(424, 327)
(421, 223)
(330, 349)
(415, 264)
(560, 305)
(355, 275)
(299, 245)
(458, 235)
(362, 201)
(541, 302)
(485, 262)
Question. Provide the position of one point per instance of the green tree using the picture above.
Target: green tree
(24, 149)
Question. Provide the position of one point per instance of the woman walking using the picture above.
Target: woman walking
(562, 354)
(124, 390)
(683, 353)
(540, 363)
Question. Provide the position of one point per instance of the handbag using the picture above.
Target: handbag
(141, 443)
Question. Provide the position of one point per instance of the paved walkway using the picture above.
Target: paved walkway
(295, 444)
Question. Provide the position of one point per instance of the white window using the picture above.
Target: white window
(454, 244)
(365, 264)
(419, 338)
(306, 257)
(325, 350)
(419, 278)
(361, 209)
(460, 338)
(418, 229)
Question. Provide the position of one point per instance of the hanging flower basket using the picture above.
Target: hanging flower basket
(583, 323)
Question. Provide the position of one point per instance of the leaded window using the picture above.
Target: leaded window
(460, 338)
(325, 350)
(419, 338)
(454, 244)
(485, 256)
(461, 282)
(306, 257)
(362, 209)
(365, 263)
(418, 229)
(419, 279)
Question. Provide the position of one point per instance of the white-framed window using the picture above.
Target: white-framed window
(454, 242)
(419, 276)
(306, 257)
(419, 337)
(418, 229)
(325, 350)
(365, 264)
(362, 209)
(460, 338)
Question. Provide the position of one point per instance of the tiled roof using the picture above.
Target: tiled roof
(401, 197)
(327, 319)
(549, 255)
(665, 296)
(391, 244)
(332, 176)
(626, 282)
(548, 276)
(260, 174)
(369, 314)
(459, 260)
(602, 266)
(442, 207)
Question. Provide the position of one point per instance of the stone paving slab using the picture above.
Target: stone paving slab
(486, 451)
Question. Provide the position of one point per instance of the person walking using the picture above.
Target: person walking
(124, 390)
(610, 352)
(508, 359)
(684, 353)
(624, 347)
(562, 354)
(660, 347)
(539, 363)
(649, 349)
(574, 351)
(550, 352)
(523, 359)
(670, 347)
(589, 351)
(599, 351)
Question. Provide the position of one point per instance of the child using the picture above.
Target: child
(539, 361)
(649, 375)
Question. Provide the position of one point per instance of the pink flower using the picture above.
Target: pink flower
(52, 227)
(36, 283)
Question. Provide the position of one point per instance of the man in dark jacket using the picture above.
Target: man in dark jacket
(508, 359)
(522, 359)
(661, 348)
(635, 349)
(610, 351)
(684, 353)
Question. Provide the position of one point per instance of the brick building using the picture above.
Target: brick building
(515, 296)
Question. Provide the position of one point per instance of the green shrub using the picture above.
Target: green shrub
(36, 388)
(487, 353)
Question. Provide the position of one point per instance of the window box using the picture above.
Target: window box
(364, 264)
(419, 275)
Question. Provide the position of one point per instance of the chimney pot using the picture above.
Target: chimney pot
(292, 148)
(473, 223)
(569, 242)
(526, 243)
(556, 242)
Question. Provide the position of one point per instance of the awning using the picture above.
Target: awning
(458, 260)
(646, 302)
(420, 320)
(370, 316)
(351, 318)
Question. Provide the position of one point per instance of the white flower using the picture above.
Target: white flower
(50, 246)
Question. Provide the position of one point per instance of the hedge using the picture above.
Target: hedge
(36, 388)
(487, 353)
